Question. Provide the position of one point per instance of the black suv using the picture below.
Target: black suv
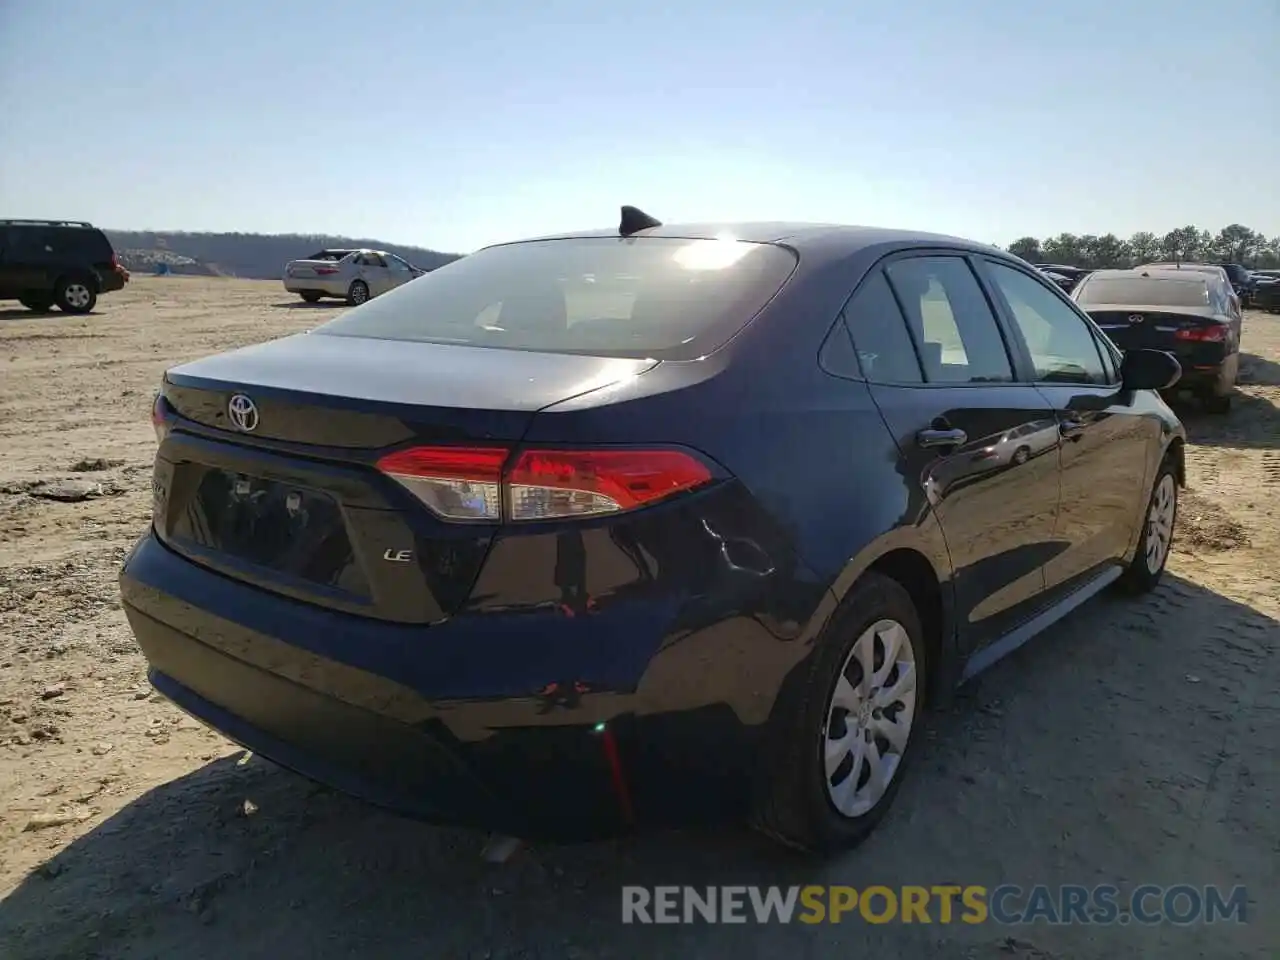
(1241, 281)
(63, 262)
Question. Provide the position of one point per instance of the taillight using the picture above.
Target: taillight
(325, 271)
(457, 483)
(470, 483)
(1213, 334)
(160, 417)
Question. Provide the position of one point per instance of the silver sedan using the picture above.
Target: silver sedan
(351, 275)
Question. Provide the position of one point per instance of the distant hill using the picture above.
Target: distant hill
(254, 256)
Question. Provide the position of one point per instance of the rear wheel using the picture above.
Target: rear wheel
(1156, 543)
(843, 737)
(357, 293)
(310, 297)
(75, 295)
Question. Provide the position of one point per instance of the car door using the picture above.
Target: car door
(375, 273)
(1105, 446)
(398, 270)
(939, 370)
(25, 260)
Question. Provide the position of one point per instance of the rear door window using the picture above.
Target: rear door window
(663, 298)
(880, 335)
(951, 321)
(28, 242)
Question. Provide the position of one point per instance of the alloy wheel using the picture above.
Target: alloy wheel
(869, 718)
(76, 295)
(1160, 523)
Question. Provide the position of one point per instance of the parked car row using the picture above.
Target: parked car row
(1266, 290)
(573, 534)
(1244, 283)
(62, 263)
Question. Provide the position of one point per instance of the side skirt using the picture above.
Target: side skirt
(1011, 641)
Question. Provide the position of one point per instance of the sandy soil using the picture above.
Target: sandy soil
(1138, 741)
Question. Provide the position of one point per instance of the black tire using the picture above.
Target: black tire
(792, 805)
(310, 297)
(357, 293)
(75, 294)
(1022, 455)
(1138, 577)
(37, 304)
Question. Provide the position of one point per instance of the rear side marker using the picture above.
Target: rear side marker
(475, 483)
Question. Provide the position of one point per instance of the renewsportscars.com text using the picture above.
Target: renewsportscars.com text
(1148, 904)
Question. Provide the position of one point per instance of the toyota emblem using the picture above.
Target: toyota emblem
(243, 413)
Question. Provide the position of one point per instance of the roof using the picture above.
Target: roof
(1152, 273)
(800, 235)
(1175, 267)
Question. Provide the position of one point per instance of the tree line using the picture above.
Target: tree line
(1232, 244)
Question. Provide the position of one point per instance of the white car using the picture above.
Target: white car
(351, 275)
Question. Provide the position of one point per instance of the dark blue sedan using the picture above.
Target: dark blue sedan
(653, 525)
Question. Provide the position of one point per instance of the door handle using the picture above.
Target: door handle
(935, 437)
(1072, 429)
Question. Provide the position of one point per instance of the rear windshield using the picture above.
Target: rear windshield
(1144, 291)
(329, 255)
(659, 297)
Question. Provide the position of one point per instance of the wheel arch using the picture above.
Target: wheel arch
(1176, 454)
(917, 559)
(79, 273)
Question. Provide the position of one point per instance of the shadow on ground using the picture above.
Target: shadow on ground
(318, 305)
(1134, 742)
(1252, 424)
(1258, 371)
(22, 313)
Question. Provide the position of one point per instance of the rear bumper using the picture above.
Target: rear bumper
(330, 288)
(109, 281)
(568, 763)
(1203, 371)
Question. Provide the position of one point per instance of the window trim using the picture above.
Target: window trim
(967, 257)
(842, 320)
(1007, 317)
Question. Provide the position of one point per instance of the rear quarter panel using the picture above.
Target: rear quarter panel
(812, 449)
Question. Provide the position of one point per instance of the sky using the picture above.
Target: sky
(456, 125)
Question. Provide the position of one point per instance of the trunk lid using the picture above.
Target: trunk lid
(281, 489)
(1139, 327)
(307, 269)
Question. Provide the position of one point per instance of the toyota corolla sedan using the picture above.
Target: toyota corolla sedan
(351, 275)
(656, 524)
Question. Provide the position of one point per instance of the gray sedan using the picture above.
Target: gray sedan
(351, 275)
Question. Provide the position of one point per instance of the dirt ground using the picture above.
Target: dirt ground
(1136, 742)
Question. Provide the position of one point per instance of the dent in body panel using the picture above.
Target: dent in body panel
(701, 601)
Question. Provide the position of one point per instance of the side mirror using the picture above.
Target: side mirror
(1149, 370)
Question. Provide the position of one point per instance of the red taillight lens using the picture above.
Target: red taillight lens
(325, 271)
(547, 484)
(457, 483)
(1214, 334)
(469, 483)
(160, 417)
